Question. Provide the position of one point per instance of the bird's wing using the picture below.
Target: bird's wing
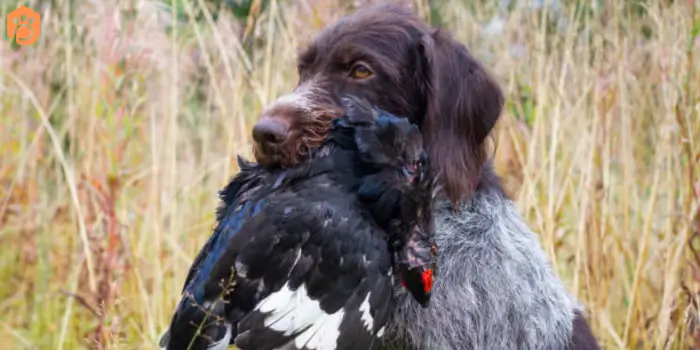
(330, 275)
(211, 275)
(306, 274)
(249, 256)
(238, 204)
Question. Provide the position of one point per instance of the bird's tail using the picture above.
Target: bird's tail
(198, 327)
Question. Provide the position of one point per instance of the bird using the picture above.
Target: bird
(305, 257)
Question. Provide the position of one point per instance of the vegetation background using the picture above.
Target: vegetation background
(119, 126)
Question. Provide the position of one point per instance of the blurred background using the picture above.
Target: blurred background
(121, 123)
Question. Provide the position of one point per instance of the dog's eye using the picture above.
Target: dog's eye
(360, 71)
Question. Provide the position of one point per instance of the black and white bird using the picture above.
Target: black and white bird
(305, 258)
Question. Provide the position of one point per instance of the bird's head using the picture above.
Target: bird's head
(416, 262)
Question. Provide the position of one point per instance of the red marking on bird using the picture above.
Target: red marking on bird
(427, 278)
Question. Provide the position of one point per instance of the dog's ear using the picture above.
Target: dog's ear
(464, 103)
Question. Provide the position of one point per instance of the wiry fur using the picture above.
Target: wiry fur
(308, 113)
(495, 288)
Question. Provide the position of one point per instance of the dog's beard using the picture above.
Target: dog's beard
(313, 132)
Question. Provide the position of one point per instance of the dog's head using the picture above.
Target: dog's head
(388, 56)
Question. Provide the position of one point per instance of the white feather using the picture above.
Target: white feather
(366, 316)
(292, 311)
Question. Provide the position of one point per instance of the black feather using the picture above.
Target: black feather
(327, 230)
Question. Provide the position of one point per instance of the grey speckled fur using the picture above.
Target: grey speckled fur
(495, 288)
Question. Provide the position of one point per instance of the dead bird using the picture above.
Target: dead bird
(305, 257)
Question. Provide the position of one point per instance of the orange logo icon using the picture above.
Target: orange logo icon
(23, 26)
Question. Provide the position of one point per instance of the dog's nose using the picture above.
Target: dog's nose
(270, 131)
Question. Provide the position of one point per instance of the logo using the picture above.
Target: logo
(23, 26)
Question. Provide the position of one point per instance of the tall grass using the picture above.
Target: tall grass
(121, 124)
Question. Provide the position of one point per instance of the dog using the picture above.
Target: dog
(496, 288)
(306, 257)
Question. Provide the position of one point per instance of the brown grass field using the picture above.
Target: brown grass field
(119, 126)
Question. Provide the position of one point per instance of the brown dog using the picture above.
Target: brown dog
(495, 289)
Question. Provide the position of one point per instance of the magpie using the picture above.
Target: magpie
(304, 257)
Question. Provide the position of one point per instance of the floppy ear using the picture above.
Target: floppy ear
(464, 103)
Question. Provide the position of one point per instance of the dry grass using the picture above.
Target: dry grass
(118, 128)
